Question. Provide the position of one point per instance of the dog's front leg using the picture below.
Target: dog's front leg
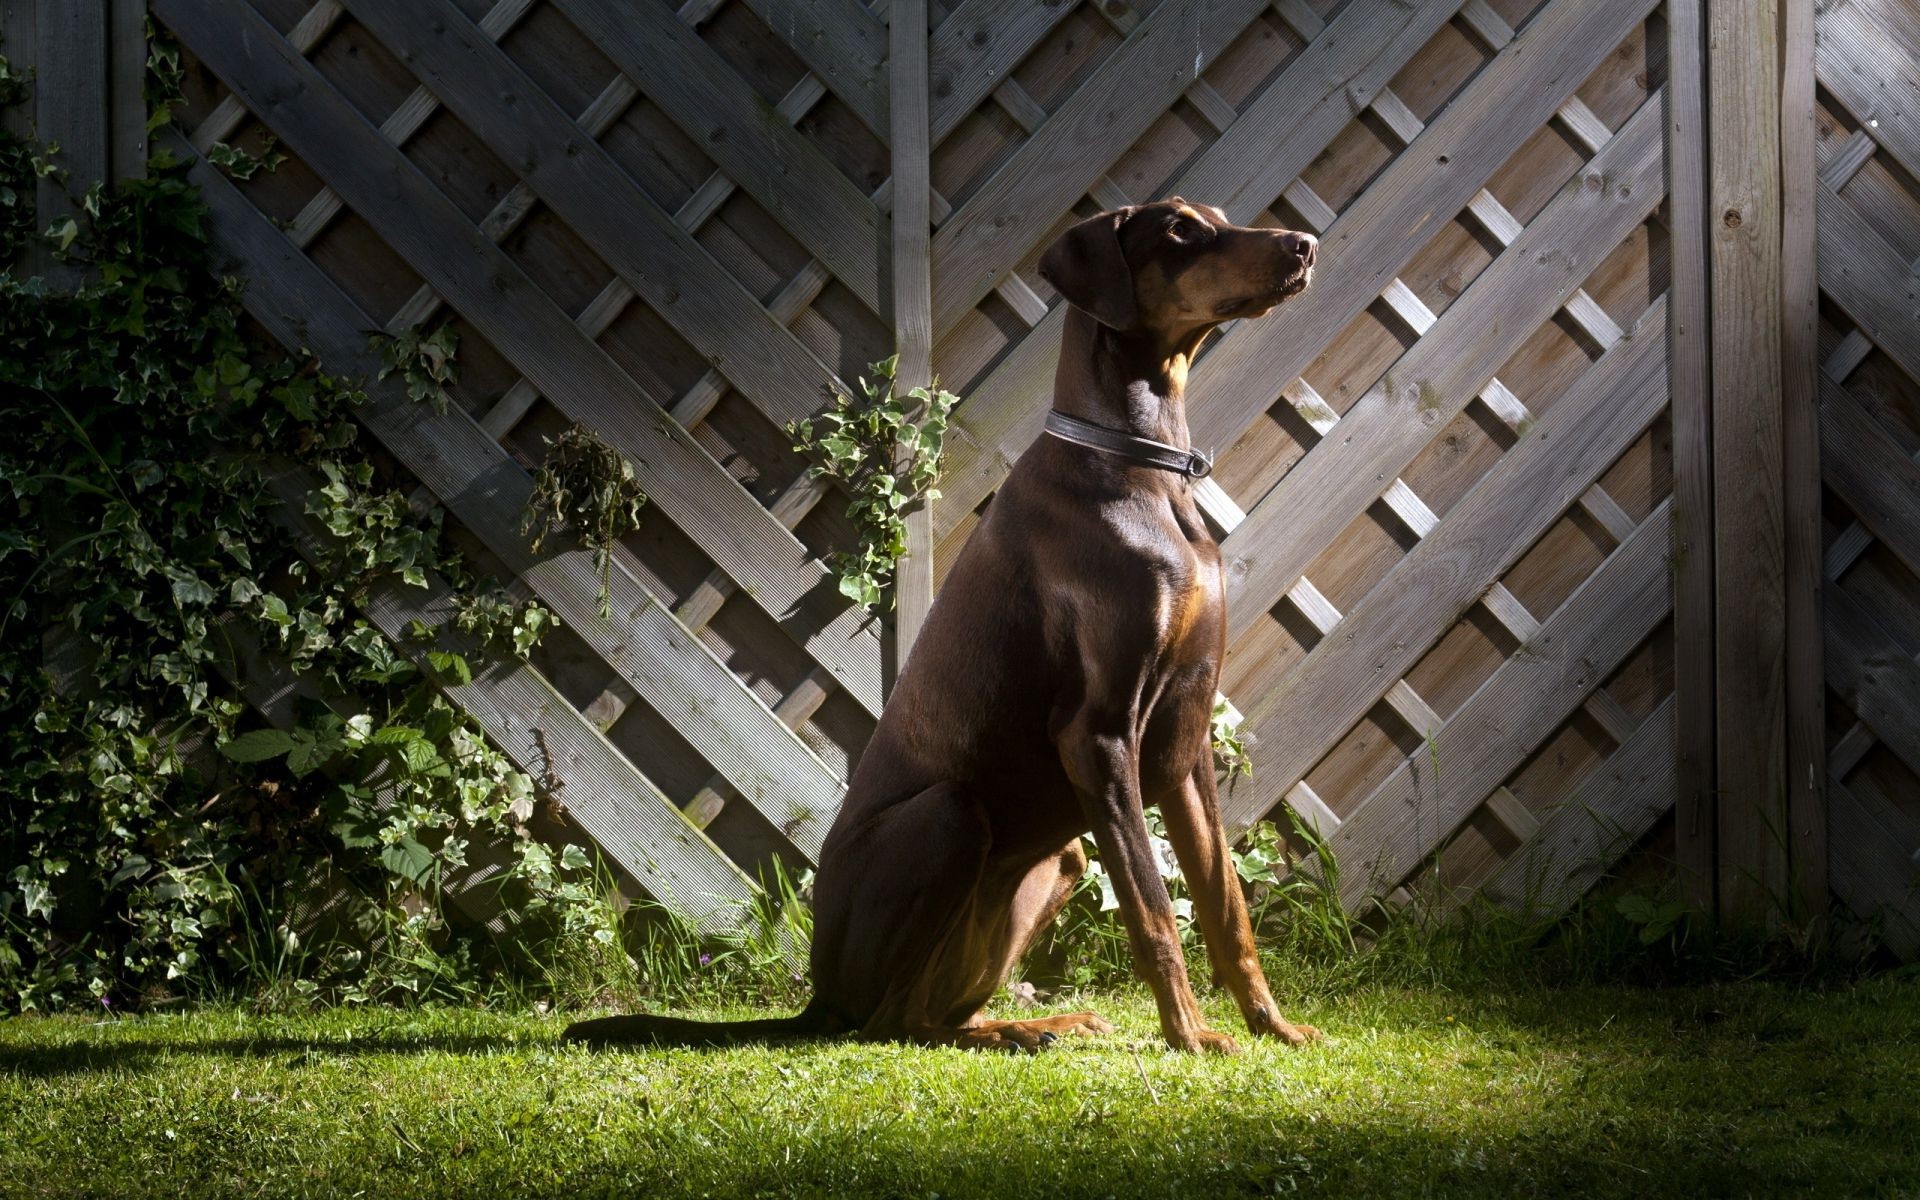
(1200, 842)
(1102, 759)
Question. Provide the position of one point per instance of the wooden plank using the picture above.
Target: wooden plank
(1872, 867)
(521, 714)
(843, 45)
(1386, 428)
(1309, 707)
(1868, 279)
(316, 23)
(912, 270)
(600, 202)
(1002, 220)
(1871, 472)
(405, 120)
(1860, 64)
(481, 485)
(1006, 410)
(70, 110)
(127, 92)
(1581, 838)
(1381, 231)
(976, 49)
(782, 171)
(1690, 335)
(1875, 675)
(543, 343)
(1806, 720)
(1415, 809)
(1749, 542)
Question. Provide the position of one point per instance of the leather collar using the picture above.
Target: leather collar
(1194, 464)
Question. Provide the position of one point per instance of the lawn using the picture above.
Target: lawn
(1737, 1089)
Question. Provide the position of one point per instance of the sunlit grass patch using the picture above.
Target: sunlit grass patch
(1724, 1090)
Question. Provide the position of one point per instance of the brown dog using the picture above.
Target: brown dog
(1063, 682)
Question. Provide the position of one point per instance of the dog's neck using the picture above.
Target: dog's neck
(1131, 382)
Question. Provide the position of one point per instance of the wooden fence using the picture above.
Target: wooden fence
(1520, 502)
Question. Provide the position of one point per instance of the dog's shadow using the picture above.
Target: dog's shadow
(89, 1055)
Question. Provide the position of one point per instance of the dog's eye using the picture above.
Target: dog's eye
(1183, 230)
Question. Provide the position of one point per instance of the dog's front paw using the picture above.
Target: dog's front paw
(1266, 1023)
(1203, 1041)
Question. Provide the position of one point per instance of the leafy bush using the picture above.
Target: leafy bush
(154, 843)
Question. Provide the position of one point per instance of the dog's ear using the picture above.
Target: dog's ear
(1087, 267)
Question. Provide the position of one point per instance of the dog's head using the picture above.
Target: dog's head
(1175, 268)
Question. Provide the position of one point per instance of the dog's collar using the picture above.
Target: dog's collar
(1194, 464)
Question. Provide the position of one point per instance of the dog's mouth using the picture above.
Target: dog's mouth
(1254, 306)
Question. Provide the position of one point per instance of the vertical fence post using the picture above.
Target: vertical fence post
(912, 280)
(1806, 659)
(1689, 340)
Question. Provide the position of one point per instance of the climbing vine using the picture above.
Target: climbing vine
(160, 838)
(885, 450)
(586, 488)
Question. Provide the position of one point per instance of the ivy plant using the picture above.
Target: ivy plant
(1230, 755)
(884, 449)
(156, 841)
(424, 360)
(585, 488)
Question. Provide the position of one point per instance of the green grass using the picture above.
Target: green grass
(1732, 1089)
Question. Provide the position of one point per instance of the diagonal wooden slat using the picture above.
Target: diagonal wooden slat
(783, 172)
(1386, 428)
(1868, 279)
(1004, 413)
(1050, 170)
(722, 718)
(975, 50)
(1857, 58)
(583, 185)
(1874, 674)
(1871, 851)
(227, 115)
(843, 44)
(575, 374)
(1378, 235)
(1878, 480)
(1425, 593)
(1414, 810)
(1581, 838)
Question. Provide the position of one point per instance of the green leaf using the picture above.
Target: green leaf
(409, 860)
(257, 746)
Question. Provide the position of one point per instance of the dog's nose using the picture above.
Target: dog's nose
(1301, 246)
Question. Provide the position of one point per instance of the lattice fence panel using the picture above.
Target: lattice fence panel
(1868, 252)
(665, 225)
(1444, 488)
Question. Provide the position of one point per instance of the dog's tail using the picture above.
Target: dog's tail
(813, 1021)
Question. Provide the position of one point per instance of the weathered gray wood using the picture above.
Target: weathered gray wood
(127, 94)
(1806, 720)
(1872, 867)
(843, 45)
(1426, 592)
(1410, 814)
(1053, 168)
(1004, 413)
(1871, 472)
(1743, 182)
(576, 375)
(912, 284)
(1689, 352)
(975, 50)
(1381, 231)
(1862, 65)
(1385, 429)
(1876, 676)
(582, 184)
(70, 91)
(677, 673)
(1581, 838)
(316, 23)
(1868, 279)
(781, 170)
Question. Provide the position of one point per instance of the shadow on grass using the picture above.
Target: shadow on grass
(108, 1055)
